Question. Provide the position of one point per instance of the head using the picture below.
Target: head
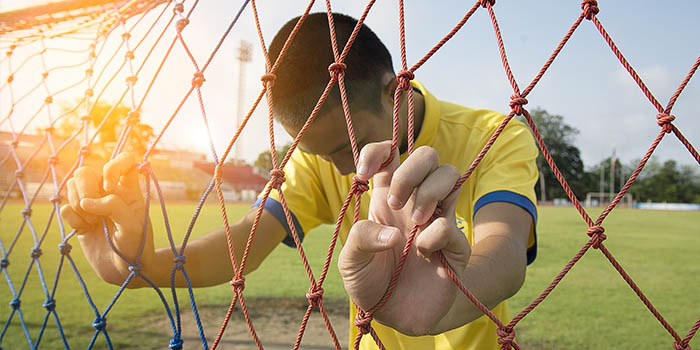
(303, 75)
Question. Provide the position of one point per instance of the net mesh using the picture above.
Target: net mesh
(93, 24)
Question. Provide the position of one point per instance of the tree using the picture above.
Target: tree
(264, 161)
(559, 138)
(667, 182)
(137, 142)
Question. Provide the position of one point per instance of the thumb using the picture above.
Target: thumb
(366, 238)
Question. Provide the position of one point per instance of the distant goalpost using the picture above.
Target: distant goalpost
(37, 34)
(599, 199)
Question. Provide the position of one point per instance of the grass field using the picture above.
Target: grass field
(592, 308)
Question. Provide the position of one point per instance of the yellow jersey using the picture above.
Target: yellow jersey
(315, 192)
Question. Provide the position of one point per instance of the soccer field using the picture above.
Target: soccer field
(592, 308)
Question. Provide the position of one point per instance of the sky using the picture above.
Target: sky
(587, 85)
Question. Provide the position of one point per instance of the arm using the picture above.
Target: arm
(496, 268)
(115, 195)
(207, 258)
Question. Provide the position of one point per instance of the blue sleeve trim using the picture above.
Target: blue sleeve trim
(275, 208)
(519, 200)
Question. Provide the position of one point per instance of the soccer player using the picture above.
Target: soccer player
(486, 229)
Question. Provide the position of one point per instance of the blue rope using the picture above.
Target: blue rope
(64, 248)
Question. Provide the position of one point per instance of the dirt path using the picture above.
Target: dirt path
(276, 322)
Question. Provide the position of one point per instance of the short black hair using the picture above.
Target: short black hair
(303, 72)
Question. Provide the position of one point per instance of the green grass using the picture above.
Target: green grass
(592, 308)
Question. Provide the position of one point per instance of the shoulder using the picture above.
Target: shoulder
(480, 124)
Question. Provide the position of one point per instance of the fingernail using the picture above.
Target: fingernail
(393, 202)
(417, 216)
(362, 170)
(385, 234)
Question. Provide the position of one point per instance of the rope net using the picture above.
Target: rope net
(94, 24)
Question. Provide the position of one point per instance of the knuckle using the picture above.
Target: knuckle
(427, 152)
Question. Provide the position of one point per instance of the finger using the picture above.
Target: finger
(372, 157)
(432, 190)
(87, 183)
(442, 234)
(423, 161)
(113, 207)
(73, 219)
(74, 201)
(365, 239)
(112, 172)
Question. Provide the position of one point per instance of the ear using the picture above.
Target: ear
(389, 82)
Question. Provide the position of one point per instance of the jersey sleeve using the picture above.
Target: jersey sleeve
(508, 173)
(303, 194)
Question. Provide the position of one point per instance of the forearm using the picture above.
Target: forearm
(495, 272)
(207, 259)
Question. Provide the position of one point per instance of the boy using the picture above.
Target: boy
(485, 229)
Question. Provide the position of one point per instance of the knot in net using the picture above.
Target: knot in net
(99, 323)
(175, 344)
(404, 78)
(26, 212)
(238, 283)
(144, 167)
(89, 92)
(218, 172)
(681, 346)
(53, 160)
(36, 253)
(15, 304)
(130, 55)
(590, 8)
(132, 79)
(126, 36)
(65, 248)
(19, 174)
(48, 100)
(133, 118)
(315, 296)
(10, 78)
(179, 8)
(359, 186)
(181, 24)
(179, 262)
(268, 80)
(136, 268)
(506, 336)
(337, 69)
(486, 3)
(4, 263)
(362, 322)
(597, 235)
(55, 199)
(664, 120)
(517, 103)
(84, 151)
(45, 75)
(198, 79)
(277, 178)
(49, 305)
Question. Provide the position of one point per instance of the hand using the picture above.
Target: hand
(116, 197)
(404, 196)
